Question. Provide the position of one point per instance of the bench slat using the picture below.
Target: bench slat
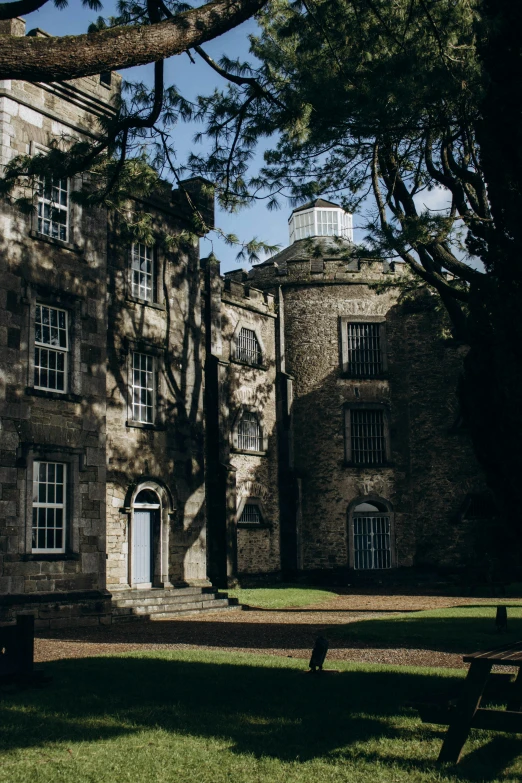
(508, 655)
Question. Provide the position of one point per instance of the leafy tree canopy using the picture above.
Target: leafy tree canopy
(373, 98)
(387, 101)
(136, 148)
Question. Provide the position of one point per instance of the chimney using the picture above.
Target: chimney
(12, 26)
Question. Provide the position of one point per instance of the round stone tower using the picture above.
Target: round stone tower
(367, 401)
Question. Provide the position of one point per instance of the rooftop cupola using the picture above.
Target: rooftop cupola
(320, 218)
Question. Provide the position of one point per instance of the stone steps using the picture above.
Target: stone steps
(158, 604)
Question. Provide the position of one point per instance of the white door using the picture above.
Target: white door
(142, 547)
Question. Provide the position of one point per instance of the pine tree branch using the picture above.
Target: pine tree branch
(19, 8)
(56, 59)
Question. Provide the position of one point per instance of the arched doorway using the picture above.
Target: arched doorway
(370, 535)
(145, 522)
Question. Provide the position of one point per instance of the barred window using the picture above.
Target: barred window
(367, 436)
(51, 345)
(143, 272)
(251, 514)
(53, 207)
(364, 349)
(372, 541)
(249, 434)
(247, 347)
(142, 388)
(49, 506)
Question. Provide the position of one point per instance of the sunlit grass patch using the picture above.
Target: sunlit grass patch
(281, 596)
(462, 629)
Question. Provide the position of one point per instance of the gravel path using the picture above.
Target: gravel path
(286, 632)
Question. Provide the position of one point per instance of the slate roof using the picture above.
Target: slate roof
(306, 249)
(319, 202)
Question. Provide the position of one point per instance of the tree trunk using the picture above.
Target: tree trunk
(491, 390)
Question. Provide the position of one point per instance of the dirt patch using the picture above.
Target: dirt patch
(287, 632)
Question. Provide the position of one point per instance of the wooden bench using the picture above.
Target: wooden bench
(468, 714)
(17, 649)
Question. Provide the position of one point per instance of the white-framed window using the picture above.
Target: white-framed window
(53, 207)
(320, 222)
(142, 271)
(304, 225)
(142, 387)
(249, 432)
(247, 347)
(51, 347)
(49, 506)
(327, 222)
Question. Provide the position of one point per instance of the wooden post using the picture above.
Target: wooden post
(515, 701)
(25, 643)
(469, 701)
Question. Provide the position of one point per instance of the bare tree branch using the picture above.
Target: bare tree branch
(70, 57)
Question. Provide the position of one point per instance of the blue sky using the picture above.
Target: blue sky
(191, 80)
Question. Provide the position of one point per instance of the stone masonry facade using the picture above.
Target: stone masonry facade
(429, 471)
(163, 426)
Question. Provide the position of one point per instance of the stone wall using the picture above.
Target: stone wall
(167, 455)
(68, 427)
(429, 470)
(253, 388)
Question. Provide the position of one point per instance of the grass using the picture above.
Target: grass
(214, 717)
(281, 596)
(462, 629)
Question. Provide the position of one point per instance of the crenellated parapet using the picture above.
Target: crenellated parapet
(321, 261)
(241, 293)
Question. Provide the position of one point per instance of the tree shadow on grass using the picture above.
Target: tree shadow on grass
(459, 634)
(276, 712)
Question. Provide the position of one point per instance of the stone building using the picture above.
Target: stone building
(165, 430)
(375, 474)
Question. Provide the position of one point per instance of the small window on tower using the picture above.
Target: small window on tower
(363, 347)
(106, 78)
(247, 347)
(250, 513)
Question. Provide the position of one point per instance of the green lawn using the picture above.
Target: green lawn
(461, 629)
(281, 596)
(208, 717)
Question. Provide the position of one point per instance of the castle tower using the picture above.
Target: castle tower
(371, 478)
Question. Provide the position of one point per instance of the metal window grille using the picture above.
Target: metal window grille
(247, 347)
(367, 435)
(372, 541)
(251, 514)
(364, 350)
(143, 272)
(53, 207)
(49, 506)
(51, 345)
(142, 388)
(249, 435)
